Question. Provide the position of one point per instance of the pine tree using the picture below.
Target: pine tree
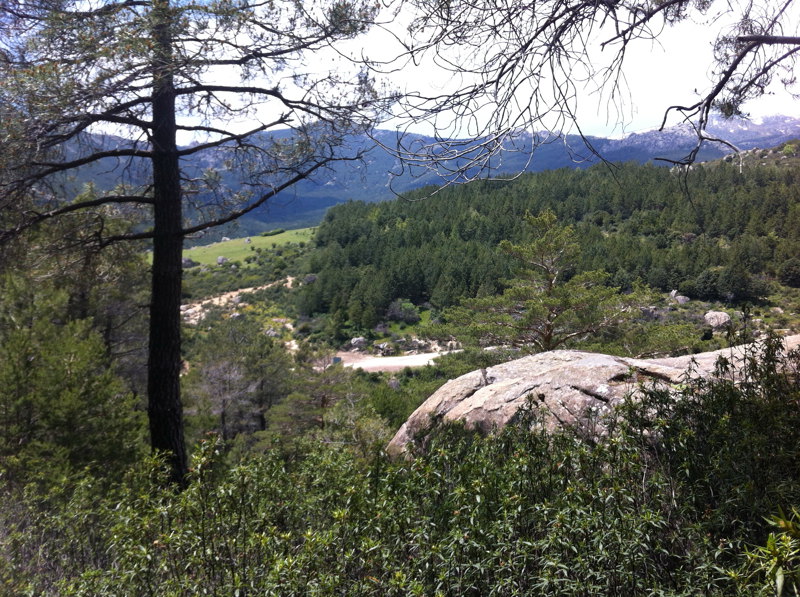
(226, 73)
(542, 309)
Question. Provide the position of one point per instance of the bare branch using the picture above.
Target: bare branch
(769, 40)
(522, 68)
(235, 214)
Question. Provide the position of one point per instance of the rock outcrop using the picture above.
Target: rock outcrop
(571, 387)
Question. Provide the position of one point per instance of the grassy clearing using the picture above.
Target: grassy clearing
(400, 328)
(238, 249)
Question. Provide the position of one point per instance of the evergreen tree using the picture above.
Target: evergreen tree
(541, 309)
(148, 71)
(61, 405)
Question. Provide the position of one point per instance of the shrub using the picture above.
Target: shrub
(789, 272)
(662, 504)
(402, 310)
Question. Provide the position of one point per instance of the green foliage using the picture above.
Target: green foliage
(722, 432)
(663, 504)
(402, 310)
(61, 406)
(633, 224)
(262, 267)
(71, 351)
(647, 339)
(543, 309)
(789, 272)
(775, 564)
(239, 373)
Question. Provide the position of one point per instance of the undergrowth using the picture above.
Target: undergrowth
(674, 500)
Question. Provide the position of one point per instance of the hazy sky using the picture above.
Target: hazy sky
(671, 71)
(660, 73)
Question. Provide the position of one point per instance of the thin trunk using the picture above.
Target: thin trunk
(164, 362)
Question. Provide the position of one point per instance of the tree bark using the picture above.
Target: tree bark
(164, 410)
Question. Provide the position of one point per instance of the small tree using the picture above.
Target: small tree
(402, 310)
(541, 309)
(789, 272)
(242, 373)
(62, 408)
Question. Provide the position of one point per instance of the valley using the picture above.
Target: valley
(305, 351)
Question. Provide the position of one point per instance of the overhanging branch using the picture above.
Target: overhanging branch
(233, 215)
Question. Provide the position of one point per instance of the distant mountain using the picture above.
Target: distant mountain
(677, 141)
(380, 176)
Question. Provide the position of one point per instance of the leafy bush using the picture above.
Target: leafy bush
(402, 310)
(663, 505)
(789, 272)
(776, 564)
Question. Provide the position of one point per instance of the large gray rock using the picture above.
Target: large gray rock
(570, 387)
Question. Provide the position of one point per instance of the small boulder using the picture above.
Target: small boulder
(717, 319)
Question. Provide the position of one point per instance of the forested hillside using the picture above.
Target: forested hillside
(720, 233)
(290, 491)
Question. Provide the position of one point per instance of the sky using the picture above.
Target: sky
(659, 73)
(666, 71)
(670, 71)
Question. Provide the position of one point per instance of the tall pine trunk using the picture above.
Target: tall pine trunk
(164, 362)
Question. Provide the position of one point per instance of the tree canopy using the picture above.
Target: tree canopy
(235, 77)
(544, 308)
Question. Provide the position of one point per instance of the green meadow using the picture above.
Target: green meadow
(237, 249)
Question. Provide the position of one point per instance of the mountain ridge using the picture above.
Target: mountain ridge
(381, 176)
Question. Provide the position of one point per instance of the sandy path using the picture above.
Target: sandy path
(372, 363)
(195, 312)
